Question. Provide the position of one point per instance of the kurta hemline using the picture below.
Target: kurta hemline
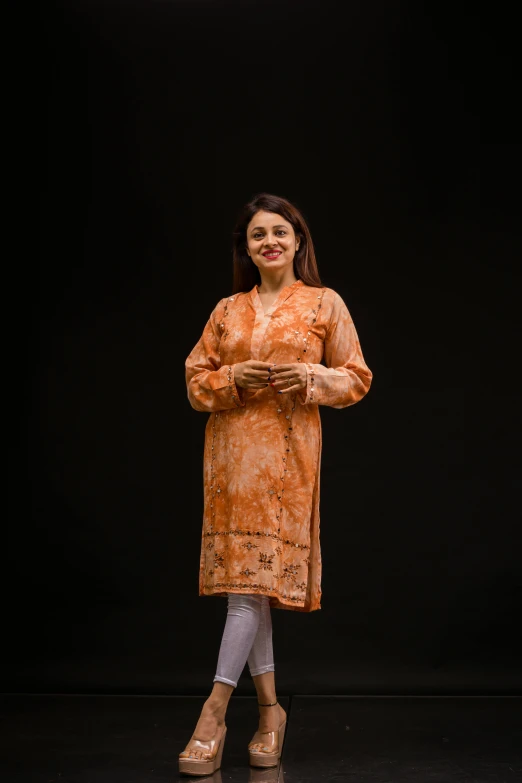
(277, 601)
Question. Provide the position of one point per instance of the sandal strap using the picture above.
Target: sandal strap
(267, 705)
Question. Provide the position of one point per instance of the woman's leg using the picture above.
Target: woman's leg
(248, 636)
(261, 665)
(241, 626)
(261, 657)
(245, 618)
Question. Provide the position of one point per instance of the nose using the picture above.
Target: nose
(270, 240)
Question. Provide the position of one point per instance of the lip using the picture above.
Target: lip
(272, 253)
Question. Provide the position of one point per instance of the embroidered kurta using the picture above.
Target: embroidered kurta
(262, 451)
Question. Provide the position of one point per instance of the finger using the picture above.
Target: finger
(255, 365)
(287, 389)
(280, 380)
(279, 368)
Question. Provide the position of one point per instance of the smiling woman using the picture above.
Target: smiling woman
(271, 353)
(278, 233)
(272, 247)
(272, 241)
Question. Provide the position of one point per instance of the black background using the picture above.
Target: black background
(392, 126)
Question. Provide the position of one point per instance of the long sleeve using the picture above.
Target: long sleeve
(346, 378)
(210, 385)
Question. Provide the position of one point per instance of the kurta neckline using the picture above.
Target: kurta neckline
(282, 295)
(262, 319)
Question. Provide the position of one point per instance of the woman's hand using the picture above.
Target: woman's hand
(252, 374)
(288, 377)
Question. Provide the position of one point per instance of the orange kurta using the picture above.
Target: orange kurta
(262, 452)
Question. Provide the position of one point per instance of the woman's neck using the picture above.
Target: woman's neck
(271, 284)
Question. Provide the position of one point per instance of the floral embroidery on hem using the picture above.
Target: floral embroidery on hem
(249, 545)
(265, 561)
(290, 571)
(255, 534)
(268, 588)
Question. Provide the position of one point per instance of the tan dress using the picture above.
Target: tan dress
(262, 452)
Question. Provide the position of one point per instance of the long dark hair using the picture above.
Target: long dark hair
(246, 273)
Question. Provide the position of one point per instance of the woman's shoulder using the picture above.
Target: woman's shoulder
(226, 301)
(332, 303)
(235, 297)
(326, 294)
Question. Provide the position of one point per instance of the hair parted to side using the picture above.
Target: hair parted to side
(246, 273)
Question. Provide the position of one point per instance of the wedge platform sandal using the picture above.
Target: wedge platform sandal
(268, 752)
(209, 752)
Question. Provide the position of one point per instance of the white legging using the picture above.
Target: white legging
(247, 636)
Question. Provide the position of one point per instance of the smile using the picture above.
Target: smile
(272, 254)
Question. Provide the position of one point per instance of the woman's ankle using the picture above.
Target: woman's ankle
(218, 700)
(217, 707)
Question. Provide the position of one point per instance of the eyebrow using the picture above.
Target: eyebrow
(256, 228)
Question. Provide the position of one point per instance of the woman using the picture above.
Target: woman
(256, 369)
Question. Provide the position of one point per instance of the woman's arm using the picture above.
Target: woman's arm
(346, 378)
(210, 386)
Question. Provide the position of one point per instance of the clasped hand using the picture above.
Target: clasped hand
(282, 377)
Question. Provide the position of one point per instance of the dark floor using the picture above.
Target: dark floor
(136, 739)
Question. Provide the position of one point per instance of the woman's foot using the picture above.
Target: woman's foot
(210, 726)
(270, 718)
(211, 719)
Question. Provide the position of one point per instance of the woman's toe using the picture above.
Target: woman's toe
(259, 747)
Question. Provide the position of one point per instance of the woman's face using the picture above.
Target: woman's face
(271, 241)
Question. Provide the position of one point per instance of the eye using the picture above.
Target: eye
(281, 231)
(257, 236)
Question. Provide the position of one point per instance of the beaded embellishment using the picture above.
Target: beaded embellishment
(213, 478)
(231, 386)
(225, 313)
(309, 367)
(315, 313)
(311, 371)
